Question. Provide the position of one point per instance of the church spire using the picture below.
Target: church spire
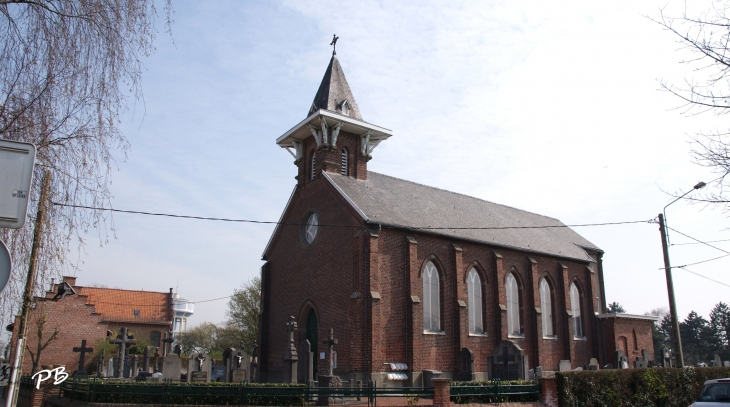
(334, 93)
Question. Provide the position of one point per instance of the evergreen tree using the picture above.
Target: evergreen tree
(616, 308)
(720, 321)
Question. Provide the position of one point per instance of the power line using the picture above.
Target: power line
(709, 241)
(698, 240)
(699, 262)
(705, 277)
(350, 226)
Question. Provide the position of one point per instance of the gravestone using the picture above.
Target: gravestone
(716, 361)
(667, 358)
(254, 362)
(466, 364)
(290, 354)
(622, 362)
(100, 364)
(531, 374)
(133, 371)
(726, 363)
(146, 360)
(329, 380)
(239, 366)
(507, 362)
(82, 353)
(538, 371)
(199, 368)
(306, 362)
(578, 369)
(110, 368)
(228, 363)
(218, 373)
(608, 366)
(592, 365)
(171, 367)
(564, 366)
(122, 340)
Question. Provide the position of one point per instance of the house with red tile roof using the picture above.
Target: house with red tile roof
(88, 315)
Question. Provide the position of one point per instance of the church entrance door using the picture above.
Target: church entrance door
(312, 335)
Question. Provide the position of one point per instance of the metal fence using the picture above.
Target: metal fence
(165, 393)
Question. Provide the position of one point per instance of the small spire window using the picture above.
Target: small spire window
(343, 163)
(345, 107)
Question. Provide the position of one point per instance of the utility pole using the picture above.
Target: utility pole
(670, 289)
(29, 286)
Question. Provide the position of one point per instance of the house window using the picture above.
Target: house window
(575, 309)
(310, 230)
(431, 301)
(155, 338)
(343, 162)
(474, 296)
(546, 305)
(513, 306)
(314, 162)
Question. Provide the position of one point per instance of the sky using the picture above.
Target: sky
(551, 108)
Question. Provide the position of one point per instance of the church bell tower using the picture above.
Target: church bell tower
(333, 138)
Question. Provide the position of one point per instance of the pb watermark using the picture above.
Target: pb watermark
(59, 376)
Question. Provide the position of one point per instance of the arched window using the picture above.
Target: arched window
(314, 162)
(546, 305)
(310, 230)
(474, 296)
(431, 302)
(343, 162)
(575, 309)
(513, 306)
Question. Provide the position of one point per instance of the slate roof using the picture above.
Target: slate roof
(396, 202)
(333, 90)
(119, 305)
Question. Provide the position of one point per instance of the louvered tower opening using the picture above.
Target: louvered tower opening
(343, 163)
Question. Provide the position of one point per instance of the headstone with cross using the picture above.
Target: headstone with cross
(199, 368)
(122, 340)
(291, 357)
(167, 340)
(82, 356)
(330, 342)
(508, 362)
(466, 364)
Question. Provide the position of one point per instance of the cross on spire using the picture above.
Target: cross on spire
(83, 350)
(334, 43)
(330, 342)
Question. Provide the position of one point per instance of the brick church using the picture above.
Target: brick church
(415, 278)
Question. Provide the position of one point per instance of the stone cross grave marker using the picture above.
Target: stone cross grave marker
(100, 364)
(290, 354)
(171, 367)
(82, 356)
(306, 362)
(330, 342)
(167, 340)
(466, 364)
(122, 340)
(507, 362)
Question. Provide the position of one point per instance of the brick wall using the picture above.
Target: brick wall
(629, 334)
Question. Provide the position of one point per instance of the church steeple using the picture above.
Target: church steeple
(334, 93)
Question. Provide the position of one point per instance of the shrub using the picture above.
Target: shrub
(635, 387)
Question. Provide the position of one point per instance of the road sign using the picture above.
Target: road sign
(16, 173)
(5, 265)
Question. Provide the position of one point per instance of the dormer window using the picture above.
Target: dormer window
(345, 107)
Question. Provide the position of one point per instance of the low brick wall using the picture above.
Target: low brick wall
(35, 397)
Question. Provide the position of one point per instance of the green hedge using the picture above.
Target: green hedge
(493, 390)
(214, 393)
(635, 387)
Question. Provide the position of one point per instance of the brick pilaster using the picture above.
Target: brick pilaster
(548, 391)
(441, 392)
(500, 322)
(536, 312)
(414, 350)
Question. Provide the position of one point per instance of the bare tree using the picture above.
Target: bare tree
(40, 323)
(705, 36)
(68, 70)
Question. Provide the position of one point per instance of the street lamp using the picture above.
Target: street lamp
(670, 284)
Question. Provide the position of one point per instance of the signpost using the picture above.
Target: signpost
(16, 173)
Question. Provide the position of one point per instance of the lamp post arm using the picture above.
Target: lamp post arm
(664, 213)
